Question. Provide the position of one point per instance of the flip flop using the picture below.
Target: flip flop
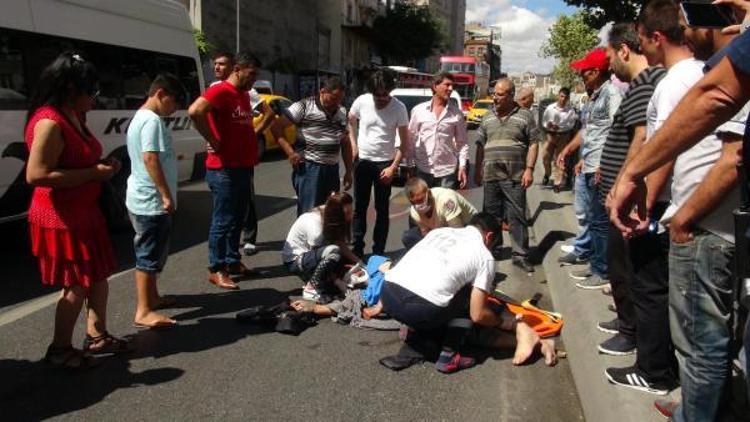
(161, 325)
(112, 345)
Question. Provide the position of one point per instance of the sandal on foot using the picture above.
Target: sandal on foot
(110, 344)
(69, 358)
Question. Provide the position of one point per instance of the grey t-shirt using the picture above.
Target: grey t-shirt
(506, 141)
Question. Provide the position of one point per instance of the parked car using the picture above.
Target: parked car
(476, 112)
(266, 140)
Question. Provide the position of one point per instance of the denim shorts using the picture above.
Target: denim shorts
(151, 241)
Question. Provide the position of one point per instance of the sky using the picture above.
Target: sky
(524, 26)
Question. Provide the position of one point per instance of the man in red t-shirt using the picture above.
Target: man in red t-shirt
(224, 117)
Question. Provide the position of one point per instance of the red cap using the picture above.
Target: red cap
(596, 59)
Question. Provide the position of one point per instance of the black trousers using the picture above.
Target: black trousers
(367, 180)
(655, 359)
(620, 277)
(428, 320)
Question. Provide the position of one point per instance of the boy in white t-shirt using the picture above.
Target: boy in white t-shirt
(374, 119)
(434, 208)
(449, 276)
(151, 196)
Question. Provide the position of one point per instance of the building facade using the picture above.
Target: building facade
(483, 43)
(298, 41)
(452, 15)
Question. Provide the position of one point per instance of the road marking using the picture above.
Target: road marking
(34, 305)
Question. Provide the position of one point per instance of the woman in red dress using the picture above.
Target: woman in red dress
(68, 231)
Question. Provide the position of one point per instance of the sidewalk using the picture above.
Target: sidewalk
(554, 222)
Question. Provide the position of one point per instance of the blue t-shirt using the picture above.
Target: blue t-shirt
(147, 133)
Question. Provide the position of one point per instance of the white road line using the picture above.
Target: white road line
(34, 305)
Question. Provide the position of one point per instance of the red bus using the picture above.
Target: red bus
(409, 77)
(472, 78)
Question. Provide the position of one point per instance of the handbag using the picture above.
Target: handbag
(112, 206)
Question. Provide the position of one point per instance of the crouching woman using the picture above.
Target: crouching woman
(316, 247)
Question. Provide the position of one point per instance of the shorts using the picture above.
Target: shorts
(151, 241)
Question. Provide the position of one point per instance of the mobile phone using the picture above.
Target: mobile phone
(707, 15)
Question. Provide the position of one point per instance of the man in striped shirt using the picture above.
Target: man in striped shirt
(637, 267)
(321, 133)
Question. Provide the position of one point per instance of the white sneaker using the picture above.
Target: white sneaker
(309, 293)
(249, 249)
(567, 248)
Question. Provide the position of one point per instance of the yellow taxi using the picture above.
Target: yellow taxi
(266, 141)
(477, 111)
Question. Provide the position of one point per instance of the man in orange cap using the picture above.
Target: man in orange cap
(604, 100)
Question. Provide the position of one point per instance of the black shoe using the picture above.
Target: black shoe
(398, 362)
(618, 345)
(572, 259)
(545, 180)
(523, 264)
(609, 327)
(556, 188)
(628, 377)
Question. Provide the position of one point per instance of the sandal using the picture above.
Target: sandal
(110, 344)
(69, 357)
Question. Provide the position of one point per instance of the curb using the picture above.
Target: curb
(583, 309)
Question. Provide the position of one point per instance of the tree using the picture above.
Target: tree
(598, 13)
(406, 33)
(570, 38)
(204, 47)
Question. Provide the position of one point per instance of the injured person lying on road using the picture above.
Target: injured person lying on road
(440, 291)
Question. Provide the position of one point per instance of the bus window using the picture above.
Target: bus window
(13, 95)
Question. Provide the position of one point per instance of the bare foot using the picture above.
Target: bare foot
(303, 306)
(153, 319)
(526, 341)
(372, 311)
(548, 351)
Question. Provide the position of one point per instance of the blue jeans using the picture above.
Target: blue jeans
(313, 182)
(598, 222)
(151, 241)
(582, 242)
(229, 189)
(700, 310)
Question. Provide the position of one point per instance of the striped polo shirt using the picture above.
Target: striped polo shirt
(632, 113)
(506, 141)
(319, 134)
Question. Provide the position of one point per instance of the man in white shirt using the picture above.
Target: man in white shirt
(374, 119)
(437, 137)
(450, 275)
(223, 63)
(432, 209)
(559, 121)
(703, 194)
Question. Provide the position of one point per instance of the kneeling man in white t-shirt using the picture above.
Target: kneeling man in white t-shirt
(449, 275)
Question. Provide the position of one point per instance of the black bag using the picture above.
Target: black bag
(112, 206)
(281, 318)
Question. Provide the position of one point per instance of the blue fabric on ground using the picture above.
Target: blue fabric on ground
(372, 292)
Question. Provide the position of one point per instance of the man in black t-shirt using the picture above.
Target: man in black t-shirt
(637, 267)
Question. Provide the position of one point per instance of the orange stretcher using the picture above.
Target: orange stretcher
(545, 323)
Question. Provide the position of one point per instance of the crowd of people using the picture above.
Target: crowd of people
(654, 158)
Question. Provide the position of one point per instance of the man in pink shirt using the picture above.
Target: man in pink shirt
(437, 132)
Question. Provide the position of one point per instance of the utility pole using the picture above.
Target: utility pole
(237, 10)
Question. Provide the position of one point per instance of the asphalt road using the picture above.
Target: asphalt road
(211, 367)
